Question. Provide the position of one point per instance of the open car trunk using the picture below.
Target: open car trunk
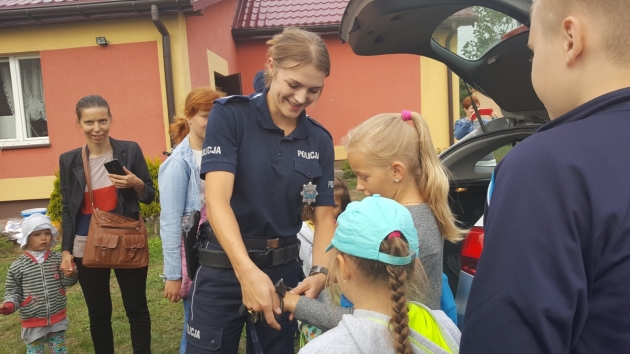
(484, 42)
(469, 180)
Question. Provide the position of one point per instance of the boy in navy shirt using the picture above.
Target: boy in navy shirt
(553, 277)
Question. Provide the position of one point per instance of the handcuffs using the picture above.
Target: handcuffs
(259, 316)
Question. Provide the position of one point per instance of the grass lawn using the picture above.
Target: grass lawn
(166, 318)
(500, 153)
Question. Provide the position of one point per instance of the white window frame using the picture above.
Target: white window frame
(22, 140)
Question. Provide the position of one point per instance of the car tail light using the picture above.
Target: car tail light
(471, 250)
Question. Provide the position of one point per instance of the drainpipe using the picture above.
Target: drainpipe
(168, 66)
(449, 87)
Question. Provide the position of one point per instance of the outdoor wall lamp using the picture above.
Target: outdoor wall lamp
(101, 41)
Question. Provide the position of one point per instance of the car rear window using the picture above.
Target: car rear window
(471, 32)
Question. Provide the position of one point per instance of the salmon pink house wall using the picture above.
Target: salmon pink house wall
(128, 72)
(357, 88)
(211, 31)
(209, 38)
(126, 75)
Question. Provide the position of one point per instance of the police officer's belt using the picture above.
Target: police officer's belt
(263, 252)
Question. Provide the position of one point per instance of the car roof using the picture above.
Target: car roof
(375, 27)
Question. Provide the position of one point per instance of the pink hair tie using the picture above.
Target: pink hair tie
(406, 115)
(394, 234)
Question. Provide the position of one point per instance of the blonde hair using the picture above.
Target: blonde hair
(296, 46)
(611, 14)
(199, 99)
(404, 284)
(386, 138)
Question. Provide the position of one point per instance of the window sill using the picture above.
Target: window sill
(8, 145)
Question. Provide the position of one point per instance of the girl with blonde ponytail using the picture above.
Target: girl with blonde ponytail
(392, 155)
(376, 267)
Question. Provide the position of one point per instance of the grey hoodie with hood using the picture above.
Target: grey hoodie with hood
(365, 332)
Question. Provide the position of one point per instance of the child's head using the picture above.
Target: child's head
(308, 214)
(581, 51)
(377, 249)
(197, 106)
(38, 233)
(468, 107)
(342, 196)
(392, 157)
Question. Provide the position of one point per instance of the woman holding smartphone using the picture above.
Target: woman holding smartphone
(115, 193)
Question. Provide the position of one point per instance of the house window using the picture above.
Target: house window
(22, 109)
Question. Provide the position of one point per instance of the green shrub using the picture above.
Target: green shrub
(347, 171)
(153, 209)
(151, 212)
(54, 206)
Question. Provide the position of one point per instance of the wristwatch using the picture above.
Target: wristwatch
(318, 270)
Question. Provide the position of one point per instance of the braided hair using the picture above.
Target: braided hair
(403, 281)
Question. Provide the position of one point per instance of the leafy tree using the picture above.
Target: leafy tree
(488, 29)
(463, 93)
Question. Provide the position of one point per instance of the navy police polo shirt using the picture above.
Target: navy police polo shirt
(269, 169)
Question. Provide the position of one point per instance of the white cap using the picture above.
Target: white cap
(37, 222)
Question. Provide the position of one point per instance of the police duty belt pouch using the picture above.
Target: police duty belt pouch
(113, 241)
(191, 253)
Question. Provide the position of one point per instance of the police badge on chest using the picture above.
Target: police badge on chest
(309, 193)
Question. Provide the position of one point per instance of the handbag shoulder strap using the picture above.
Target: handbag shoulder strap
(86, 170)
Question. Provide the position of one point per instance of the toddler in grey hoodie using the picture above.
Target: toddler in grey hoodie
(377, 269)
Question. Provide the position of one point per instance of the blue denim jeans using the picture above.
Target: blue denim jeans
(182, 344)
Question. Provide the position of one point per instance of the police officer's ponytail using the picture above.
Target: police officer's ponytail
(295, 45)
(199, 99)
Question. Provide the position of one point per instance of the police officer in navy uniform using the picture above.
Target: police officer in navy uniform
(263, 157)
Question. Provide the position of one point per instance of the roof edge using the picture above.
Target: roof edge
(71, 13)
(237, 11)
(250, 34)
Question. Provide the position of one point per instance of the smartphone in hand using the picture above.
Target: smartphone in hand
(483, 112)
(114, 167)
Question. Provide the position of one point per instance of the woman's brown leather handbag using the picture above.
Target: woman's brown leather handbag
(113, 241)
